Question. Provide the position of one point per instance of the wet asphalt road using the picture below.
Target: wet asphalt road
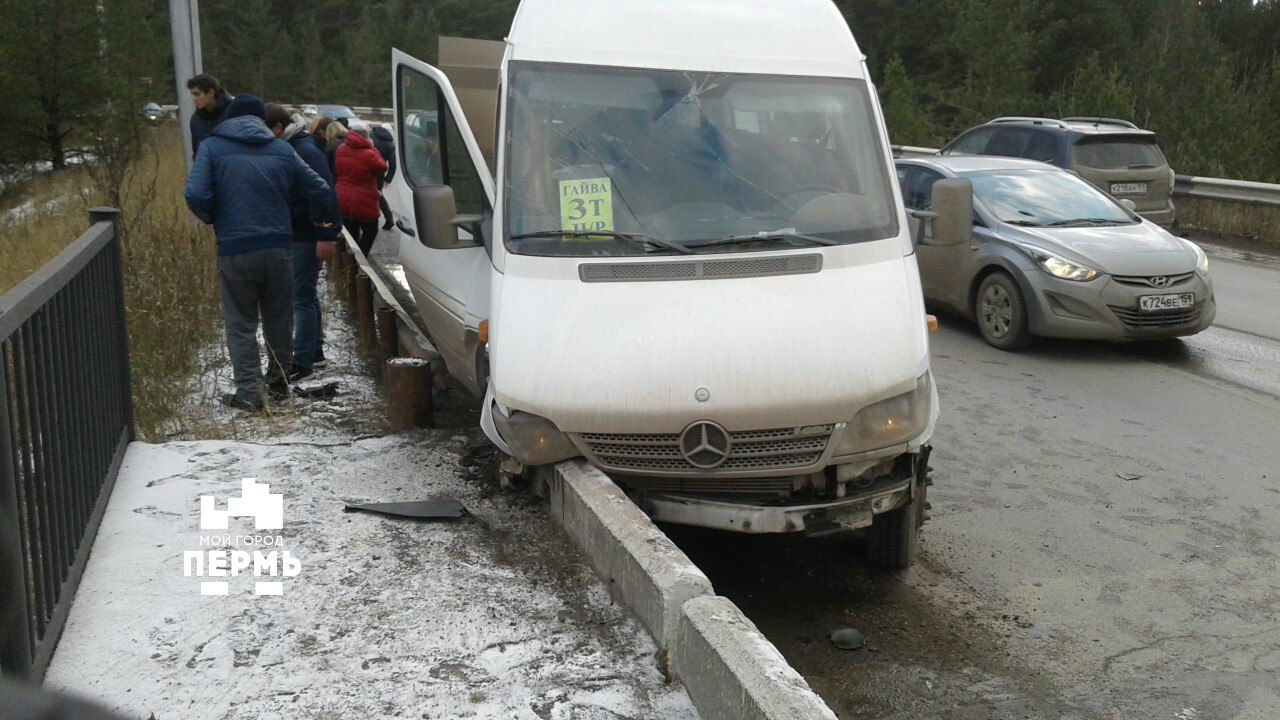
(1103, 542)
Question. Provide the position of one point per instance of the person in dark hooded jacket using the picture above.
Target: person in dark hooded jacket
(311, 245)
(211, 104)
(386, 147)
(243, 181)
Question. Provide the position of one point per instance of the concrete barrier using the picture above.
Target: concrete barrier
(641, 566)
(732, 672)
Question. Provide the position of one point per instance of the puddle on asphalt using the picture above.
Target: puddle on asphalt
(921, 660)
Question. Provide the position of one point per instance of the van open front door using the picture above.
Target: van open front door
(447, 271)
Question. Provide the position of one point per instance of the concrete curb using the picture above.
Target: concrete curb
(641, 566)
(732, 672)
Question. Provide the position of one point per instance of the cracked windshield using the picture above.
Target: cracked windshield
(606, 161)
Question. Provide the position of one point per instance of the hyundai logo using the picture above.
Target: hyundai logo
(1159, 281)
(705, 444)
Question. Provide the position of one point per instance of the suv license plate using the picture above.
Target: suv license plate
(1162, 303)
(1128, 188)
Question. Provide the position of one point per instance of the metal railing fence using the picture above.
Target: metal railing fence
(66, 417)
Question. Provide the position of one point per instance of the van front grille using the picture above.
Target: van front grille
(772, 449)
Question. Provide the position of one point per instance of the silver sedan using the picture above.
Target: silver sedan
(1051, 255)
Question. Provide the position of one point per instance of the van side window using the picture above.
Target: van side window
(431, 146)
(972, 143)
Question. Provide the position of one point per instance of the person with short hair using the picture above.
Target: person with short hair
(359, 169)
(310, 244)
(211, 103)
(243, 182)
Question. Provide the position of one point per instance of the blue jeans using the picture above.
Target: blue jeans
(308, 337)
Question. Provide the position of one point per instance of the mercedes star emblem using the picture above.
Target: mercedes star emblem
(705, 444)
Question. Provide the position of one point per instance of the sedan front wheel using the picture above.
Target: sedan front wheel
(1002, 313)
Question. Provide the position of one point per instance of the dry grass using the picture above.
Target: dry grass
(37, 220)
(171, 286)
(1260, 224)
(171, 296)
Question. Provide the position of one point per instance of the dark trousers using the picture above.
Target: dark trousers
(257, 287)
(364, 232)
(386, 208)
(308, 338)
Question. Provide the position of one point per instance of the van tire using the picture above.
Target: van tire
(1001, 313)
(893, 540)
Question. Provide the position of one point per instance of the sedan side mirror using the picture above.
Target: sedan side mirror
(438, 221)
(1129, 204)
(952, 207)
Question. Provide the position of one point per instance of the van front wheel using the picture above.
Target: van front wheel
(893, 540)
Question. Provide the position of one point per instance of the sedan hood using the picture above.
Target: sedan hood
(771, 352)
(1142, 249)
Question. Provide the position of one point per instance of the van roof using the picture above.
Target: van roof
(778, 37)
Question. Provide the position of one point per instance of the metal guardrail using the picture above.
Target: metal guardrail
(1243, 192)
(66, 417)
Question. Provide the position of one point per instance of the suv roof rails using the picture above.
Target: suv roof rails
(1033, 120)
(1101, 121)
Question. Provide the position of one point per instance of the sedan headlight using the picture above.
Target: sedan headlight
(1060, 268)
(1202, 260)
(888, 422)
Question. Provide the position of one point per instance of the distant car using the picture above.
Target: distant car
(1115, 155)
(337, 112)
(1050, 255)
(153, 112)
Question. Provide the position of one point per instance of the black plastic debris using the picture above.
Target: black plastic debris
(316, 392)
(418, 509)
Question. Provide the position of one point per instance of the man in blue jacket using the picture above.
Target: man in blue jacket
(310, 243)
(243, 182)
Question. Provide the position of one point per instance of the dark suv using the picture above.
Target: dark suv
(1114, 155)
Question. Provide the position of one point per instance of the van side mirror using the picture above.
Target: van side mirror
(952, 206)
(436, 214)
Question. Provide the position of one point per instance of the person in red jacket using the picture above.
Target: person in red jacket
(359, 166)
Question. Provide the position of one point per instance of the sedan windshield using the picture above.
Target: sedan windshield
(1044, 198)
(709, 162)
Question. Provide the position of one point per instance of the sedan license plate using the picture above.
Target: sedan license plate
(1164, 303)
(1128, 188)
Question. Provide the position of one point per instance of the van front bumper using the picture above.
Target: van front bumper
(811, 518)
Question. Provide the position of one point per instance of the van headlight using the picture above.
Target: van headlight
(888, 422)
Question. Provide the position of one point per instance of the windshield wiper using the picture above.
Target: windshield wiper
(634, 238)
(1091, 221)
(766, 237)
(1024, 223)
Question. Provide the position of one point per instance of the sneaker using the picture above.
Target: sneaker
(319, 362)
(232, 400)
(297, 375)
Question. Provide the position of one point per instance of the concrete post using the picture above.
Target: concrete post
(184, 24)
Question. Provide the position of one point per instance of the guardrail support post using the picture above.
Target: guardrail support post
(364, 308)
(388, 334)
(349, 269)
(408, 393)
